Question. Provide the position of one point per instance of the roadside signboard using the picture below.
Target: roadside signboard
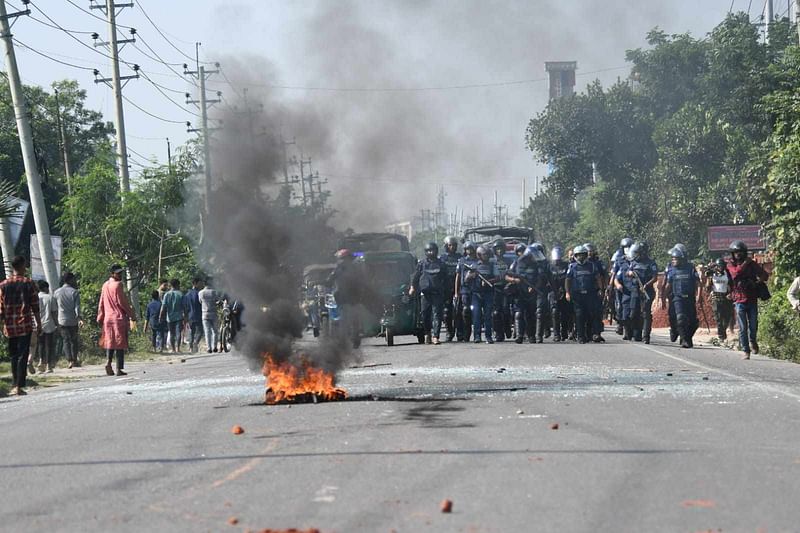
(37, 270)
(720, 237)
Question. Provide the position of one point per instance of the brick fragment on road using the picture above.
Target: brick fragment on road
(233, 520)
(447, 506)
(554, 425)
(237, 430)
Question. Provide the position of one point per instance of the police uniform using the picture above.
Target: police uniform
(430, 280)
(637, 304)
(584, 295)
(466, 295)
(501, 318)
(683, 285)
(452, 319)
(482, 297)
(527, 270)
(560, 308)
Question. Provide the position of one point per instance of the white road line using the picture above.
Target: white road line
(763, 386)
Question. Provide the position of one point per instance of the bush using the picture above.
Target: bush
(779, 326)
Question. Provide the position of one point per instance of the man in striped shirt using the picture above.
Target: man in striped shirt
(19, 310)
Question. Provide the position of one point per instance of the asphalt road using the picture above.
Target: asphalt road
(650, 438)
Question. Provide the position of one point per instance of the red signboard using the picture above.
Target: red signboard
(720, 237)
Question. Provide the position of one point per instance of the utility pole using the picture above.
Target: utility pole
(284, 145)
(303, 179)
(116, 83)
(169, 157)
(769, 15)
(65, 151)
(26, 144)
(797, 18)
(204, 104)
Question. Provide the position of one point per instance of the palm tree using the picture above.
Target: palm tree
(7, 205)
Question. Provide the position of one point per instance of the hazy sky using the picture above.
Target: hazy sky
(469, 139)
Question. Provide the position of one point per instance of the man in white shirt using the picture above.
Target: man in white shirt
(46, 346)
(719, 284)
(208, 306)
(793, 294)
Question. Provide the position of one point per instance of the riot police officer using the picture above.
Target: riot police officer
(501, 314)
(584, 286)
(481, 279)
(524, 275)
(560, 308)
(681, 287)
(542, 294)
(429, 281)
(450, 258)
(665, 300)
(597, 325)
(620, 255)
(637, 281)
(466, 264)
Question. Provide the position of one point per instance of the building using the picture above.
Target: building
(562, 77)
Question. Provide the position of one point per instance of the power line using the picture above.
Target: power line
(92, 14)
(184, 54)
(146, 112)
(160, 60)
(95, 50)
(416, 89)
(37, 52)
(165, 95)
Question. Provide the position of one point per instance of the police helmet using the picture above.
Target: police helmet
(737, 246)
(469, 245)
(677, 253)
(534, 254)
(720, 263)
(589, 247)
(557, 253)
(450, 241)
(432, 247)
(635, 251)
(580, 253)
(482, 251)
(681, 247)
(539, 246)
(645, 247)
(499, 243)
(627, 242)
(520, 249)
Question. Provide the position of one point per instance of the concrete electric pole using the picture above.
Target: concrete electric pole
(28, 156)
(116, 84)
(204, 104)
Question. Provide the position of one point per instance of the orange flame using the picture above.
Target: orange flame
(288, 383)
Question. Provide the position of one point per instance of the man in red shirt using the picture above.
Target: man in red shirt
(19, 309)
(745, 275)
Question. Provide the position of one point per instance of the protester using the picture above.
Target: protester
(745, 274)
(172, 311)
(194, 313)
(208, 303)
(154, 322)
(718, 284)
(793, 294)
(46, 345)
(115, 317)
(68, 304)
(19, 309)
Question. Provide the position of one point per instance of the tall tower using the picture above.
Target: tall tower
(562, 77)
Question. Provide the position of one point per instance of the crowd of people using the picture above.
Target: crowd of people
(484, 293)
(40, 325)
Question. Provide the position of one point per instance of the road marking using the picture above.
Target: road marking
(248, 466)
(710, 369)
(326, 494)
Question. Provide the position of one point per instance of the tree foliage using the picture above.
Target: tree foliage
(677, 147)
